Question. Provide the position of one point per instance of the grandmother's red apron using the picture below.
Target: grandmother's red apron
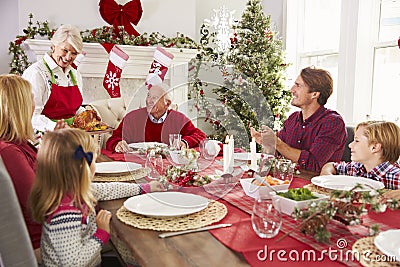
(64, 101)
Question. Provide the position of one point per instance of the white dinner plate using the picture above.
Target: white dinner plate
(245, 156)
(345, 182)
(166, 204)
(389, 243)
(146, 145)
(114, 167)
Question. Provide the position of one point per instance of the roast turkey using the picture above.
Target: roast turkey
(89, 120)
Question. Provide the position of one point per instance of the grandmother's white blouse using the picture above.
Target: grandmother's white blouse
(40, 78)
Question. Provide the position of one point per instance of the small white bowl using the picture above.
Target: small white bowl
(256, 191)
(178, 158)
(288, 205)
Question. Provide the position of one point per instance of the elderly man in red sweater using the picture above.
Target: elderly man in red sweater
(154, 123)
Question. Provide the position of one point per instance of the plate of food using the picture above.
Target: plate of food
(146, 145)
(388, 242)
(346, 183)
(116, 167)
(254, 188)
(298, 198)
(90, 121)
(166, 204)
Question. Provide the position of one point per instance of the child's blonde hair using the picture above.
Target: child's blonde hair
(16, 108)
(385, 133)
(60, 172)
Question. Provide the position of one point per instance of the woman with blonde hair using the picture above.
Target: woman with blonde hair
(375, 153)
(16, 144)
(56, 84)
(63, 199)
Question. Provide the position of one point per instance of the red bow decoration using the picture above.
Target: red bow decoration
(398, 42)
(121, 15)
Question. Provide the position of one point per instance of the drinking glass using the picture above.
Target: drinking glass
(265, 164)
(175, 141)
(209, 149)
(284, 169)
(154, 163)
(266, 218)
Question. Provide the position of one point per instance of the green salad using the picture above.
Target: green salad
(298, 194)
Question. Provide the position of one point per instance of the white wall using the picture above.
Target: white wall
(8, 31)
(166, 17)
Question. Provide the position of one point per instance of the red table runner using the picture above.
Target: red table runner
(297, 247)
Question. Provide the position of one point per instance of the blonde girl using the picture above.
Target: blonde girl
(63, 199)
(375, 153)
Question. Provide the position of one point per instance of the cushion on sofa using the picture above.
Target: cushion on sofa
(113, 110)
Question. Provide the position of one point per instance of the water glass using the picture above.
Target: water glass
(266, 217)
(209, 149)
(154, 164)
(175, 141)
(265, 164)
(284, 169)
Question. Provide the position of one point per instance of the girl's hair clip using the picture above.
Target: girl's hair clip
(80, 154)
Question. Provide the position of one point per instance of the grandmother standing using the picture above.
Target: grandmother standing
(56, 85)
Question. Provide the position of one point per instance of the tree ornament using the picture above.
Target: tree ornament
(121, 15)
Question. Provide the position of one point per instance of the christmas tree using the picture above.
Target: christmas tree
(253, 88)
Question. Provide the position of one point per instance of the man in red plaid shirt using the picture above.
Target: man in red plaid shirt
(314, 135)
(374, 154)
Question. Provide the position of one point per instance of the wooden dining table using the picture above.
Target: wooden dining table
(195, 249)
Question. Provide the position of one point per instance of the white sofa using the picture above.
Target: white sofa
(113, 110)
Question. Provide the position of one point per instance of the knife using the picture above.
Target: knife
(164, 235)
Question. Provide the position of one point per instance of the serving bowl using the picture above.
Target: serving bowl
(183, 157)
(287, 205)
(255, 191)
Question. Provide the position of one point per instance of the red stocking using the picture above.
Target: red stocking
(161, 62)
(112, 77)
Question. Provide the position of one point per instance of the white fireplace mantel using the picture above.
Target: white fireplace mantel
(95, 62)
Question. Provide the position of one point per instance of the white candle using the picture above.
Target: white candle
(253, 155)
(226, 155)
(231, 151)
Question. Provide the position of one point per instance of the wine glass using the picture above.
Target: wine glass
(284, 169)
(209, 149)
(266, 217)
(154, 164)
(175, 141)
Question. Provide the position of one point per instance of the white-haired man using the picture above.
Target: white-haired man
(154, 123)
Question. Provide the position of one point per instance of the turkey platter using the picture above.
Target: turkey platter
(89, 121)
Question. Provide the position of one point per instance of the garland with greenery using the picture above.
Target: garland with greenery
(105, 34)
(253, 92)
(347, 207)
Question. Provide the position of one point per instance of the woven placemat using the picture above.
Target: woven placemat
(130, 177)
(370, 256)
(214, 212)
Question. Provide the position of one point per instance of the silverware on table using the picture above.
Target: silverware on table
(164, 235)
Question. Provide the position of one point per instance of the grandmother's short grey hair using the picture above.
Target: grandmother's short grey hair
(68, 33)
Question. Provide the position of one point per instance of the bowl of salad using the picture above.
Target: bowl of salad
(296, 198)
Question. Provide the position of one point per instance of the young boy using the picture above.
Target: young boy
(374, 154)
